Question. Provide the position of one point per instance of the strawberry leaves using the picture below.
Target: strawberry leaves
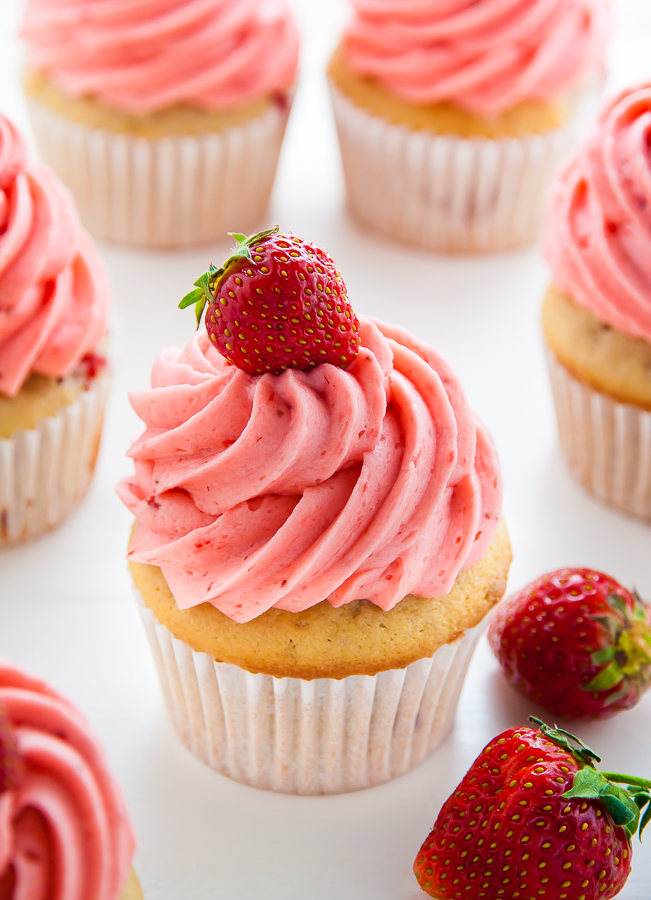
(628, 652)
(623, 804)
(593, 785)
(569, 742)
(207, 284)
(200, 296)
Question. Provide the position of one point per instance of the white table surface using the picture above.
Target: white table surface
(66, 609)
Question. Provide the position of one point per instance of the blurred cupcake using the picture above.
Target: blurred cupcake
(597, 313)
(53, 380)
(165, 119)
(64, 828)
(452, 117)
(316, 548)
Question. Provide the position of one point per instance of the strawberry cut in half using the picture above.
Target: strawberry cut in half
(278, 302)
(576, 642)
(534, 819)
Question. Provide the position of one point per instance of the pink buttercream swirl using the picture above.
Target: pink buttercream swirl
(282, 491)
(53, 289)
(64, 828)
(140, 56)
(485, 56)
(598, 235)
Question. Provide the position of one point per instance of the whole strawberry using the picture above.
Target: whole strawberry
(534, 820)
(11, 765)
(277, 302)
(576, 642)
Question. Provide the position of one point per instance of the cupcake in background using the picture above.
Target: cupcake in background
(318, 539)
(53, 381)
(597, 312)
(64, 827)
(165, 119)
(453, 117)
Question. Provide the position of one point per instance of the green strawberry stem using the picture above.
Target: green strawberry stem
(207, 284)
(633, 780)
(625, 806)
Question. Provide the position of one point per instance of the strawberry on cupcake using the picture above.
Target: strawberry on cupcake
(314, 500)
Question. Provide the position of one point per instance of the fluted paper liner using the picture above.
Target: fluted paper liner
(45, 471)
(164, 192)
(444, 192)
(607, 444)
(325, 736)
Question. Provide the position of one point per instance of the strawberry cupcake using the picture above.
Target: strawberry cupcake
(597, 312)
(165, 118)
(53, 380)
(453, 116)
(318, 538)
(64, 827)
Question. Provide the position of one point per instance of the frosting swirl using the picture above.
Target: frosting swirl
(485, 56)
(140, 56)
(285, 490)
(53, 289)
(64, 828)
(598, 234)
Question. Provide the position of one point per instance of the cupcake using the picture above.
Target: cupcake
(53, 381)
(452, 117)
(597, 312)
(64, 828)
(165, 119)
(317, 541)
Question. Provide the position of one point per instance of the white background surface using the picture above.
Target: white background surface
(66, 611)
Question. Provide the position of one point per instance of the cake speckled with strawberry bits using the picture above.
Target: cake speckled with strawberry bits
(54, 301)
(314, 500)
(164, 118)
(597, 312)
(453, 116)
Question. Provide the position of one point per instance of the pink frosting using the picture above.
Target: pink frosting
(598, 236)
(486, 56)
(140, 56)
(64, 829)
(53, 289)
(286, 490)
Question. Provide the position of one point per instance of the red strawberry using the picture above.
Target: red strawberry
(576, 642)
(277, 302)
(534, 820)
(11, 764)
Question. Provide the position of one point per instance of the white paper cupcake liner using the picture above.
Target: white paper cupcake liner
(164, 192)
(444, 192)
(325, 736)
(607, 444)
(45, 471)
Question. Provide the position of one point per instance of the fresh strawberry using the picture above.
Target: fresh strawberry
(534, 820)
(277, 302)
(576, 642)
(11, 764)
